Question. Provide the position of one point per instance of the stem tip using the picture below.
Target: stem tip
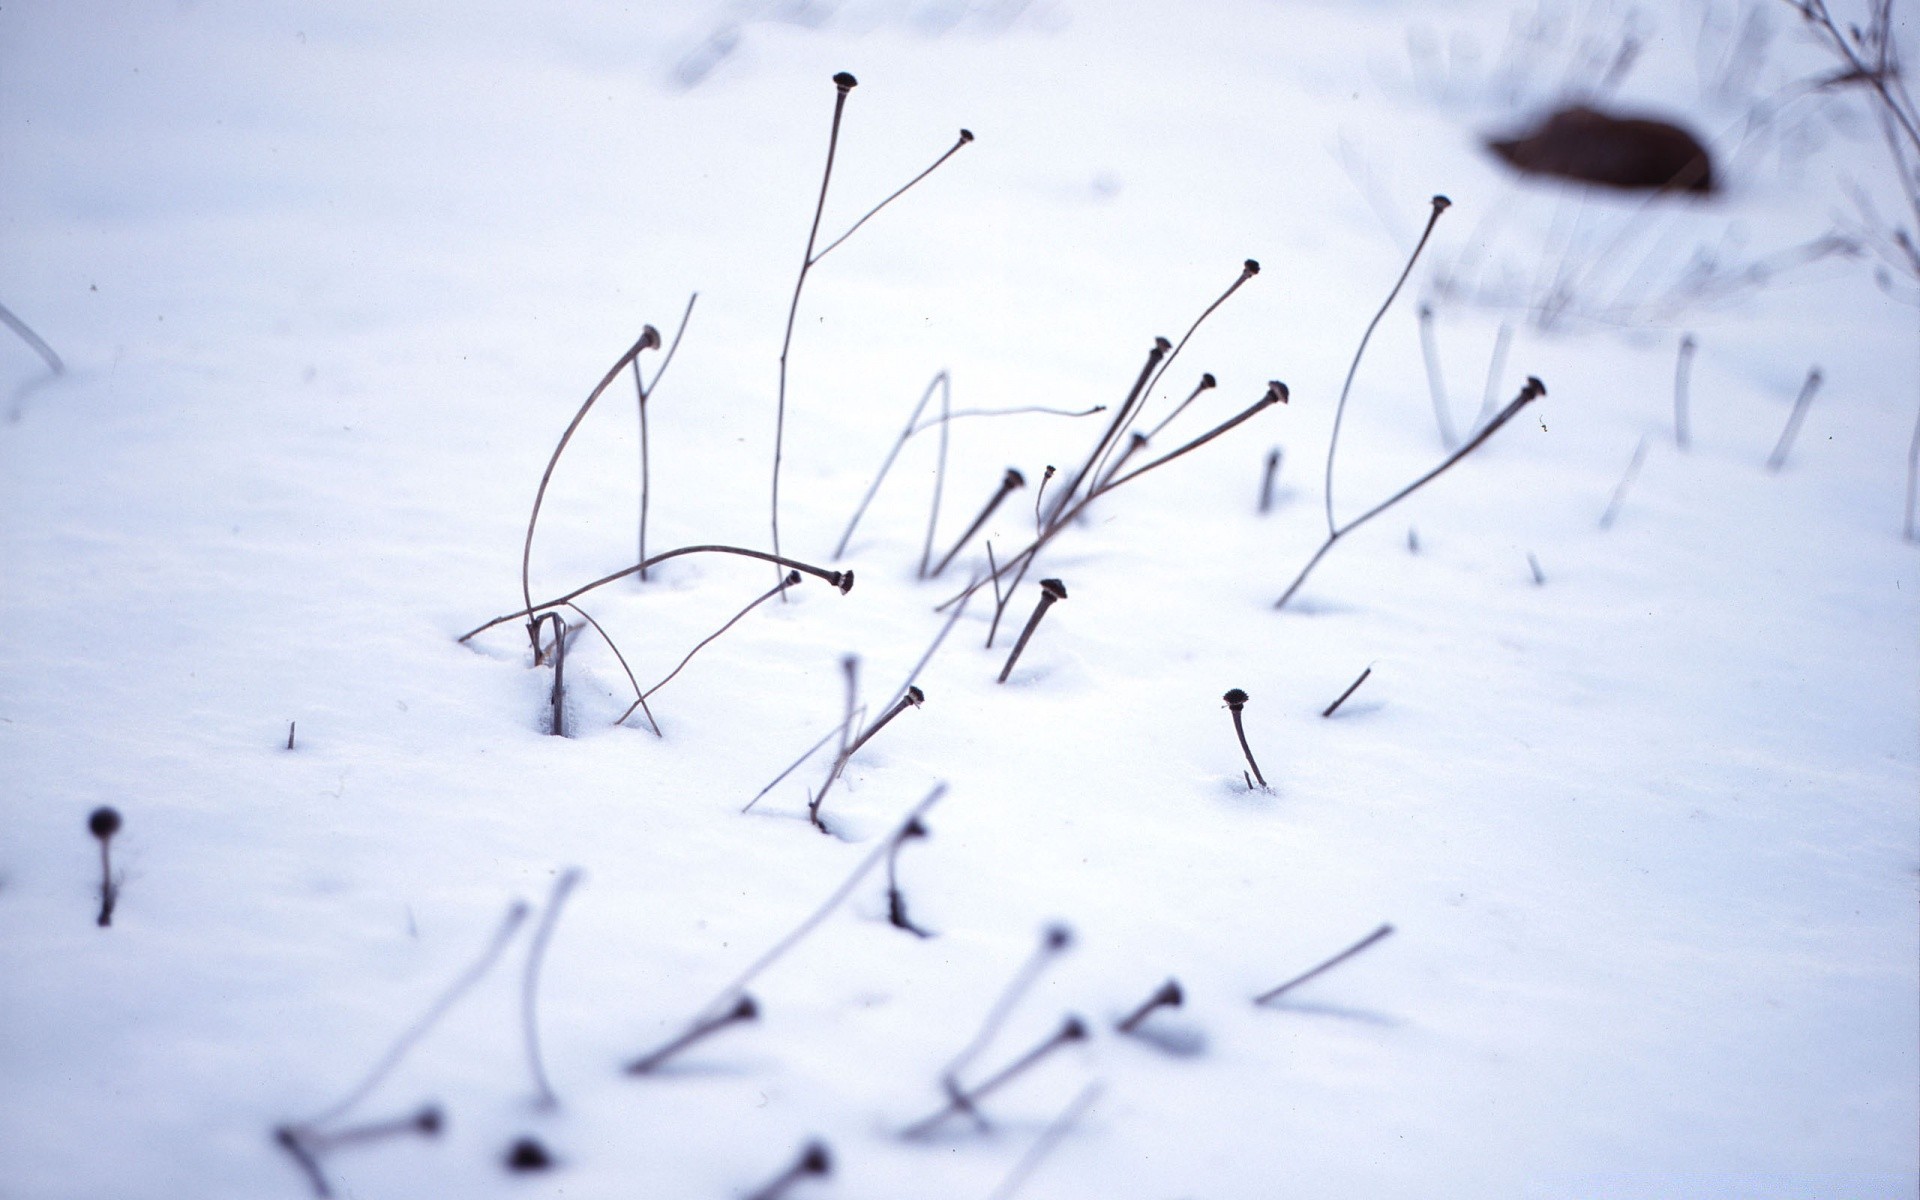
(103, 823)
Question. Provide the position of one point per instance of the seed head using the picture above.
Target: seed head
(1441, 204)
(845, 82)
(966, 135)
(1054, 588)
(1277, 392)
(1251, 267)
(103, 823)
(1236, 699)
(649, 338)
(816, 1160)
(1207, 380)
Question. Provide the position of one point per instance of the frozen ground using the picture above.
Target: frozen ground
(329, 281)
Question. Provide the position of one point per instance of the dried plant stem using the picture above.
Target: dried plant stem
(34, 341)
(1784, 446)
(1436, 381)
(843, 83)
(1911, 532)
(1530, 392)
(530, 984)
(1268, 476)
(1071, 1030)
(1440, 205)
(839, 579)
(649, 340)
(1049, 1139)
(1625, 485)
(1496, 370)
(1682, 381)
(644, 392)
(1064, 497)
(1055, 940)
(1008, 483)
(737, 988)
(516, 913)
(1207, 382)
(1248, 270)
(1276, 393)
(1336, 960)
(1353, 687)
(640, 700)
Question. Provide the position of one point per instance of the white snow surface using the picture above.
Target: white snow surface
(330, 280)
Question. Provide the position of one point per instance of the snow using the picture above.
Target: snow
(330, 280)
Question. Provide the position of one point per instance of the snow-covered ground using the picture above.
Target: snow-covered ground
(330, 280)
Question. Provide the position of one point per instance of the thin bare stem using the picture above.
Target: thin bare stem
(939, 490)
(1008, 483)
(1248, 270)
(649, 340)
(1625, 485)
(796, 764)
(643, 393)
(792, 939)
(1913, 483)
(966, 135)
(942, 381)
(1336, 960)
(34, 341)
(516, 913)
(639, 698)
(1276, 393)
(1207, 382)
(1533, 390)
(1496, 370)
(1440, 205)
(843, 83)
(1784, 446)
(1084, 475)
(839, 579)
(1073, 1029)
(1682, 378)
(1055, 940)
(1436, 381)
(1049, 1139)
(792, 580)
(1353, 687)
(530, 984)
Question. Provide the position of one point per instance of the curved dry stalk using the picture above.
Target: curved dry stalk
(649, 340)
(1532, 390)
(643, 393)
(640, 700)
(1276, 393)
(792, 580)
(1440, 205)
(839, 579)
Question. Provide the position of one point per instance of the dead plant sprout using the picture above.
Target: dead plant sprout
(843, 83)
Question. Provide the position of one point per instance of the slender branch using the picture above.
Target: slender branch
(1532, 390)
(843, 83)
(792, 580)
(1248, 270)
(1440, 205)
(966, 135)
(33, 340)
(1336, 960)
(516, 913)
(530, 983)
(839, 579)
(639, 699)
(738, 987)
(649, 340)
(643, 393)
(941, 381)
